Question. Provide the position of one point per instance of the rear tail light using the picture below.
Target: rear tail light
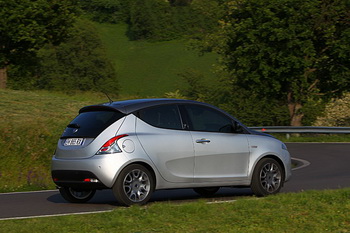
(111, 146)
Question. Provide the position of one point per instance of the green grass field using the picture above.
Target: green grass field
(150, 69)
(311, 211)
(31, 123)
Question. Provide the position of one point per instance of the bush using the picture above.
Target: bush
(158, 20)
(80, 63)
(244, 104)
(337, 113)
(106, 11)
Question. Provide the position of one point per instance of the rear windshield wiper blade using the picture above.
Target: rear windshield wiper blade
(73, 126)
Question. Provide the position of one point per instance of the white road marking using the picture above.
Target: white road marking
(29, 192)
(56, 215)
(305, 163)
(221, 202)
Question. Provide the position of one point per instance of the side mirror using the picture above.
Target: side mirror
(237, 128)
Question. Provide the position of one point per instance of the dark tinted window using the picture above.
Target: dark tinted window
(164, 116)
(91, 124)
(207, 119)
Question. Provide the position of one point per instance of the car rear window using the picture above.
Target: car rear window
(91, 124)
(164, 116)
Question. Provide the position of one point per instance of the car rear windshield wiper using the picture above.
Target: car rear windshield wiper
(73, 126)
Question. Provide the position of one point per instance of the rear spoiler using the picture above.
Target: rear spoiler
(92, 108)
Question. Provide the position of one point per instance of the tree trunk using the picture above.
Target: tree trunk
(294, 107)
(3, 77)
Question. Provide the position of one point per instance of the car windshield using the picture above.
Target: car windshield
(91, 124)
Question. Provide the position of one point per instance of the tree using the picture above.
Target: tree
(233, 99)
(295, 51)
(180, 2)
(106, 11)
(159, 20)
(26, 25)
(151, 20)
(79, 63)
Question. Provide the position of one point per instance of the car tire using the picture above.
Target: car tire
(207, 192)
(76, 196)
(268, 177)
(134, 185)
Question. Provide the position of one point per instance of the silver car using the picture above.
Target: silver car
(138, 146)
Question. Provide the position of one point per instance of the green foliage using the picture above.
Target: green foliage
(26, 25)
(180, 2)
(254, 110)
(80, 63)
(151, 21)
(106, 11)
(321, 138)
(337, 113)
(288, 50)
(249, 108)
(194, 86)
(159, 20)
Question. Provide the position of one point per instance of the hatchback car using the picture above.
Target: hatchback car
(138, 146)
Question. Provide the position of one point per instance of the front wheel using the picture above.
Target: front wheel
(268, 177)
(134, 185)
(75, 195)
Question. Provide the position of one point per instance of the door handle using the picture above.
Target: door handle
(202, 140)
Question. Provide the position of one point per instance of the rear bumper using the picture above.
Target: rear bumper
(103, 169)
(76, 179)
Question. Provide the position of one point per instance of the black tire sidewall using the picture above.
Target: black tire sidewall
(118, 189)
(68, 196)
(256, 186)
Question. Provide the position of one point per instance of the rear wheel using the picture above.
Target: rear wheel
(75, 195)
(268, 177)
(206, 192)
(134, 185)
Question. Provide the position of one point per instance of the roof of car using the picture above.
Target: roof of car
(129, 106)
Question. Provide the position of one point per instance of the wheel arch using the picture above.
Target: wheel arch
(270, 156)
(149, 167)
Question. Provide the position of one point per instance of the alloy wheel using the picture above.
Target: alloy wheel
(136, 185)
(270, 177)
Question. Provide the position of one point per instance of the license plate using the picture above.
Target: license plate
(73, 142)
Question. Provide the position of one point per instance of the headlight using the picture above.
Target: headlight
(284, 147)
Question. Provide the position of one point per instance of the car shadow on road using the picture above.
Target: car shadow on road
(106, 197)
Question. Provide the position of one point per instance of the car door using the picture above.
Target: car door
(160, 131)
(221, 154)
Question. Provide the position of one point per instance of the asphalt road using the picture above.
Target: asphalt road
(326, 167)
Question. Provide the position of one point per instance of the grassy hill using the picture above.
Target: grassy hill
(149, 69)
(31, 123)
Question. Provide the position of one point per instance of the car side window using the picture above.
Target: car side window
(206, 119)
(164, 116)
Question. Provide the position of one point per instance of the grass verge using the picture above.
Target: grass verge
(31, 123)
(322, 138)
(311, 211)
